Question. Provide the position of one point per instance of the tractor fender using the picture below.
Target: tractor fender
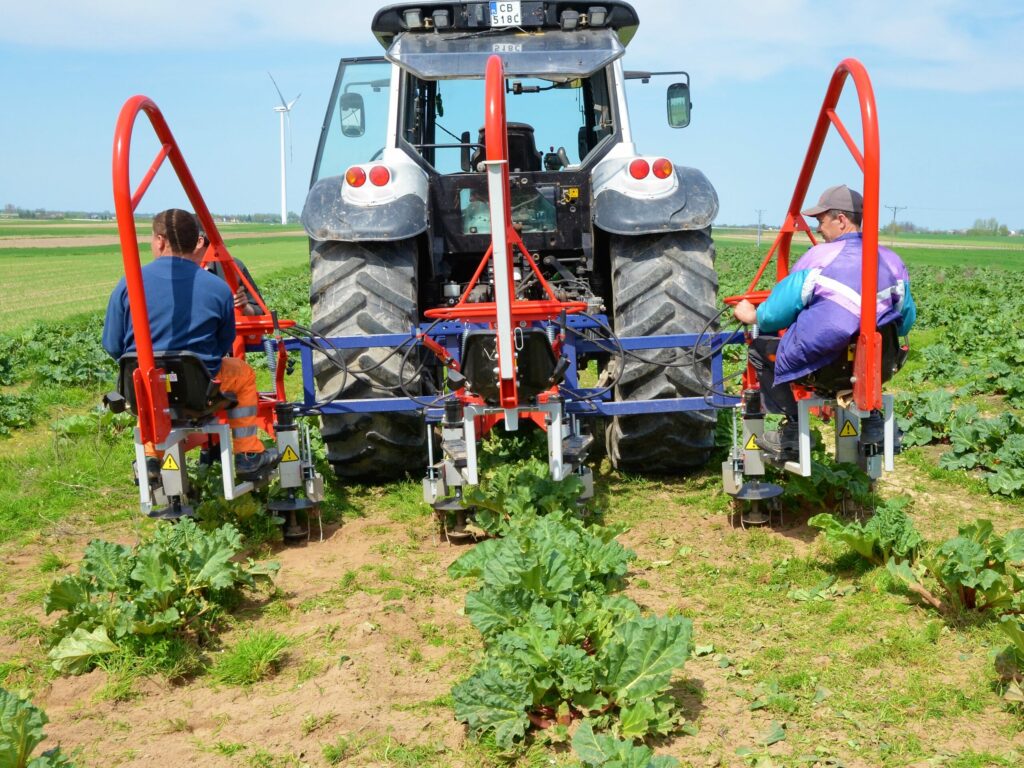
(627, 206)
(397, 210)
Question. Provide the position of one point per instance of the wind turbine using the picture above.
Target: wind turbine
(284, 109)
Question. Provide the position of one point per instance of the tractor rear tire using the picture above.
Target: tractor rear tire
(663, 284)
(358, 289)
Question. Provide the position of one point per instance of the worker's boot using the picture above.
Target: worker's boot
(252, 465)
(783, 443)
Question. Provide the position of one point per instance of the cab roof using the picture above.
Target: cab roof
(475, 17)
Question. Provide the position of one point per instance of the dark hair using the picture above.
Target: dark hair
(853, 216)
(179, 227)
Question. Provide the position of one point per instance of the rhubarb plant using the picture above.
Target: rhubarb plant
(179, 583)
(598, 750)
(889, 533)
(560, 642)
(511, 490)
(978, 570)
(21, 731)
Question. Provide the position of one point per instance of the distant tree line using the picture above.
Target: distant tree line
(988, 227)
(13, 211)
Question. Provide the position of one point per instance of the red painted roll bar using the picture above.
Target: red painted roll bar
(496, 137)
(867, 381)
(149, 381)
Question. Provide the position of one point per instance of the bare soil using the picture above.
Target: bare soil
(374, 663)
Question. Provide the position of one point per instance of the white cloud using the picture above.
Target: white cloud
(958, 45)
(954, 45)
(163, 28)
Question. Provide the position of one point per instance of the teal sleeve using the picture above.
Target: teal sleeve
(783, 304)
(908, 313)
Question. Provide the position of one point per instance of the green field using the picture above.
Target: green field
(53, 283)
(806, 655)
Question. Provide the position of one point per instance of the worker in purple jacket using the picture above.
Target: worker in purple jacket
(819, 306)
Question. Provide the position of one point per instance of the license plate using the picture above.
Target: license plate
(508, 14)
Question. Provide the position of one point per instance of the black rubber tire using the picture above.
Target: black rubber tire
(356, 289)
(662, 284)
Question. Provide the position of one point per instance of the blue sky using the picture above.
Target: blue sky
(948, 77)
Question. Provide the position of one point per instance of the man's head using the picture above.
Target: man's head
(174, 233)
(839, 211)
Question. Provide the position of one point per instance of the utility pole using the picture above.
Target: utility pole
(894, 209)
(759, 212)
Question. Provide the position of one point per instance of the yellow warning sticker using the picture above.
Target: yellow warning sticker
(572, 193)
(289, 455)
(752, 444)
(170, 464)
(848, 430)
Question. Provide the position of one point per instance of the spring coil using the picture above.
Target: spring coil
(270, 348)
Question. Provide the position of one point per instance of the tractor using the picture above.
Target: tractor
(398, 217)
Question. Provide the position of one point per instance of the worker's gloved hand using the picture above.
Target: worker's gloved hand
(745, 312)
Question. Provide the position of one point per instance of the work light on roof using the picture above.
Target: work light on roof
(441, 20)
(569, 20)
(597, 15)
(413, 18)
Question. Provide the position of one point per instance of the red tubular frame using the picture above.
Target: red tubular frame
(867, 381)
(149, 381)
(496, 135)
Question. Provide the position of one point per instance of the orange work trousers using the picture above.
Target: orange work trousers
(237, 377)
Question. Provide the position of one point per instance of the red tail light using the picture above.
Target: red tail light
(639, 168)
(379, 175)
(355, 177)
(662, 168)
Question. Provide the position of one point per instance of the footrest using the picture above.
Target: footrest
(575, 448)
(456, 450)
(173, 513)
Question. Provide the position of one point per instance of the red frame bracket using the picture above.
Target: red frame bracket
(150, 381)
(867, 382)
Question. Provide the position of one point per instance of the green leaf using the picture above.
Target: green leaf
(603, 751)
(152, 572)
(776, 732)
(66, 594)
(634, 719)
(487, 702)
(158, 622)
(644, 654)
(21, 730)
(589, 701)
(902, 571)
(76, 652)
(210, 561)
(107, 564)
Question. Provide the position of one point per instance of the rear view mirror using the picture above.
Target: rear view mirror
(353, 115)
(466, 149)
(678, 102)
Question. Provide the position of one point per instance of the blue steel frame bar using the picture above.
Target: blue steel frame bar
(578, 401)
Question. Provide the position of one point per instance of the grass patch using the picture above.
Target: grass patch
(254, 658)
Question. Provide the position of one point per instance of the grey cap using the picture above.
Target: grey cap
(838, 198)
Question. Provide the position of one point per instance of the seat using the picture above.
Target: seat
(535, 364)
(522, 149)
(193, 396)
(835, 377)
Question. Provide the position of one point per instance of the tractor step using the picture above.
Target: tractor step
(575, 449)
